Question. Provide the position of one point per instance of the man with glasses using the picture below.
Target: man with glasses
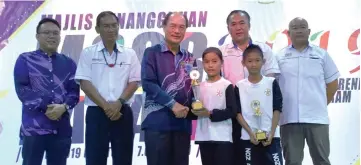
(44, 83)
(108, 74)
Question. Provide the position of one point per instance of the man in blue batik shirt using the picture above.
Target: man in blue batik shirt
(167, 86)
(44, 82)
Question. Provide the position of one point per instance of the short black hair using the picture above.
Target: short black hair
(252, 48)
(240, 12)
(166, 19)
(213, 50)
(46, 20)
(106, 13)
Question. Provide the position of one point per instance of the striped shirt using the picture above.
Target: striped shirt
(234, 71)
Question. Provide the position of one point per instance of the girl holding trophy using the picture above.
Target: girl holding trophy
(214, 105)
(260, 100)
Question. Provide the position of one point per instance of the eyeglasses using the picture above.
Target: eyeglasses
(48, 33)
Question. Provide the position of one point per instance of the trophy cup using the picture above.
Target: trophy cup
(197, 104)
(260, 134)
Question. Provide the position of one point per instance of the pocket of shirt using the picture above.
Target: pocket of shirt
(97, 69)
(313, 67)
(121, 72)
(289, 67)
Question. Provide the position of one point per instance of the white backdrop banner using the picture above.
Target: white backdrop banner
(333, 27)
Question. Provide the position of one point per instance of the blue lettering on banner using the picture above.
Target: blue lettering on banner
(345, 88)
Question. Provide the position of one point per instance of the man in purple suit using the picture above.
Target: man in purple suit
(44, 83)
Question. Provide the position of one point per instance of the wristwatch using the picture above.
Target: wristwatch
(122, 101)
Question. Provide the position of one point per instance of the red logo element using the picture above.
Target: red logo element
(323, 39)
(353, 48)
(81, 98)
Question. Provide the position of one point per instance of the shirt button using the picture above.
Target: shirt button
(52, 91)
(50, 70)
(51, 80)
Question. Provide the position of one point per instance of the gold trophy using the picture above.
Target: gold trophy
(260, 134)
(197, 104)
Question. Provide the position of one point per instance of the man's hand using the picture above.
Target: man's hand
(113, 110)
(180, 111)
(268, 141)
(55, 111)
(116, 116)
(201, 113)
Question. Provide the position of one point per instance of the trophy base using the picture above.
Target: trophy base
(261, 136)
(197, 105)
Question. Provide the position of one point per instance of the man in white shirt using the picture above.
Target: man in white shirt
(109, 75)
(308, 82)
(238, 24)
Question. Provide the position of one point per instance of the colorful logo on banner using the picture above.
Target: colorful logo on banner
(323, 37)
(323, 42)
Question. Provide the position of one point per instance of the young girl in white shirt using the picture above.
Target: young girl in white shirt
(214, 124)
(260, 100)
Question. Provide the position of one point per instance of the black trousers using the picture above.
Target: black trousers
(167, 148)
(261, 155)
(216, 153)
(238, 158)
(56, 147)
(100, 130)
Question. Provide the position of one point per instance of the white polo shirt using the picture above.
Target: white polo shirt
(303, 80)
(234, 71)
(109, 81)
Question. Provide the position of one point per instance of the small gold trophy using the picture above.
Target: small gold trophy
(256, 106)
(197, 104)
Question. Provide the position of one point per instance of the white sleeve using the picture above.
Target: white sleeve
(83, 71)
(134, 74)
(330, 69)
(271, 64)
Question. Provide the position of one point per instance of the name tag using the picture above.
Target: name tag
(97, 60)
(288, 54)
(312, 56)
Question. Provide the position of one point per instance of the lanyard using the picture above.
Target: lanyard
(106, 62)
